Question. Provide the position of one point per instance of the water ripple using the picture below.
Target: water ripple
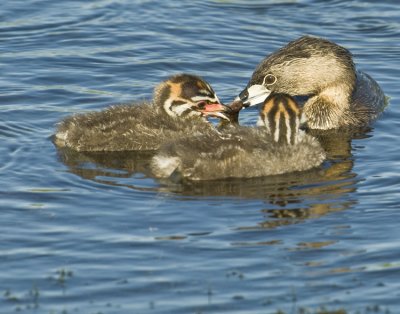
(246, 246)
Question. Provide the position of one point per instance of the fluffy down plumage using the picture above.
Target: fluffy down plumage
(244, 152)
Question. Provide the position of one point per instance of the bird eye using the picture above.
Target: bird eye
(201, 104)
(269, 79)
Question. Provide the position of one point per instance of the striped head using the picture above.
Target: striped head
(186, 95)
(281, 115)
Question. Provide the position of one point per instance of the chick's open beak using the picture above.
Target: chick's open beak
(217, 110)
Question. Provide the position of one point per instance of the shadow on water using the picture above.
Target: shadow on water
(291, 198)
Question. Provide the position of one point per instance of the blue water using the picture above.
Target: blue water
(96, 234)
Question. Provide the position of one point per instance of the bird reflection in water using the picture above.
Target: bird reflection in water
(290, 198)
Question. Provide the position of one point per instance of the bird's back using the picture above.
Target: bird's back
(368, 101)
(124, 127)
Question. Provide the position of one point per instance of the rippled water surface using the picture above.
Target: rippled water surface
(85, 233)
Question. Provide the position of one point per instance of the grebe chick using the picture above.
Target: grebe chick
(338, 95)
(179, 106)
(276, 147)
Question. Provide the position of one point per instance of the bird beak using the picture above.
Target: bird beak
(253, 95)
(217, 110)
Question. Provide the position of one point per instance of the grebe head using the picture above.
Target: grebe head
(186, 95)
(306, 66)
(281, 115)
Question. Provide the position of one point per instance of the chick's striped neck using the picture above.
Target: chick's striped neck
(281, 115)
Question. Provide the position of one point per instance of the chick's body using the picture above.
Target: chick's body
(244, 152)
(179, 106)
(125, 127)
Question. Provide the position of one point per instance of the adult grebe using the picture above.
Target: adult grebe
(338, 95)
